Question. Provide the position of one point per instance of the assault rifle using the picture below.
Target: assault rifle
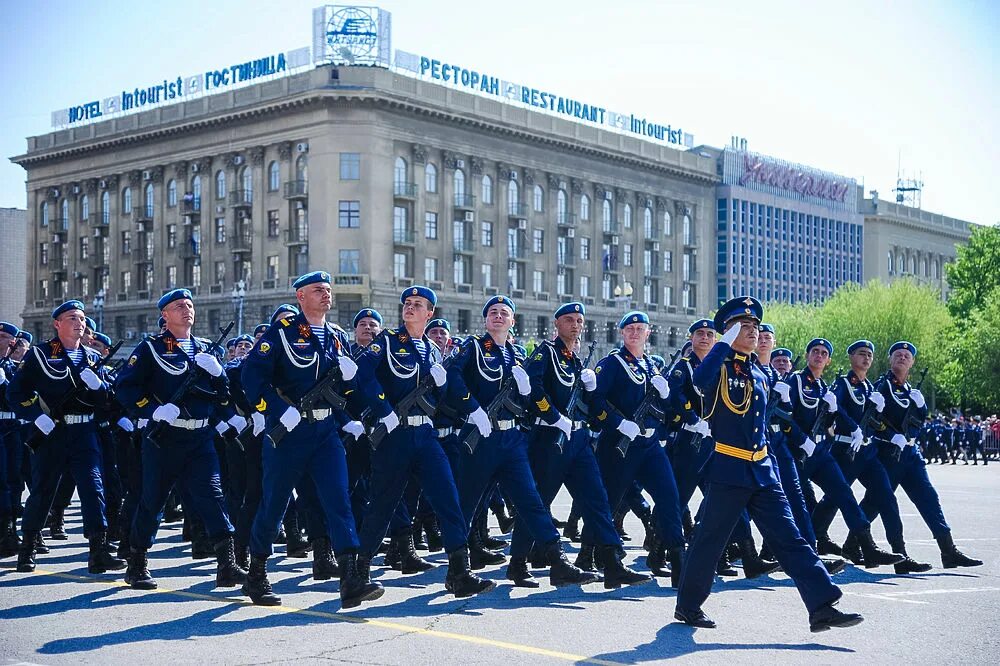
(574, 397)
(415, 398)
(870, 418)
(502, 399)
(190, 379)
(643, 410)
(910, 419)
(322, 395)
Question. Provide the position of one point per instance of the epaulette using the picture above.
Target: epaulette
(204, 341)
(285, 322)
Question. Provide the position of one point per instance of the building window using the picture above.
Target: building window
(220, 230)
(273, 224)
(44, 214)
(400, 228)
(430, 178)
(538, 199)
(171, 235)
(431, 269)
(688, 231)
(171, 193)
(431, 226)
(627, 254)
(463, 321)
(399, 172)
(350, 214)
(220, 272)
(487, 190)
(647, 223)
(127, 201)
(538, 281)
(488, 275)
(584, 207)
(350, 262)
(350, 166)
(84, 248)
(195, 189)
(273, 177)
(561, 207)
(686, 267)
(302, 168)
(461, 270)
(606, 287)
(126, 281)
(513, 197)
(584, 249)
(606, 216)
(220, 184)
(561, 284)
(668, 261)
(487, 235)
(43, 254)
(627, 216)
(458, 182)
(171, 277)
(126, 242)
(399, 269)
(668, 295)
(196, 275)
(538, 241)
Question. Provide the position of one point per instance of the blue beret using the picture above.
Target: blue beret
(861, 344)
(634, 317)
(437, 323)
(66, 307)
(91, 324)
(498, 300)
(766, 328)
(24, 335)
(173, 295)
(161, 322)
(741, 306)
(570, 308)
(245, 338)
(9, 328)
(701, 323)
(419, 290)
(311, 278)
(103, 339)
(815, 342)
(781, 351)
(903, 344)
(230, 343)
(260, 328)
(367, 312)
(284, 307)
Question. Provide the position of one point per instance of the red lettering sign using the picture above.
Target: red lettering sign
(775, 174)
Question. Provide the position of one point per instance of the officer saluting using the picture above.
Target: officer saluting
(184, 453)
(741, 476)
(53, 374)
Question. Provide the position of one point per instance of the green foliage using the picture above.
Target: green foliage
(972, 374)
(975, 273)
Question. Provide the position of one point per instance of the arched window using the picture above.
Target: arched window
(302, 168)
(149, 198)
(889, 263)
(84, 208)
(220, 184)
(487, 190)
(44, 213)
(196, 188)
(399, 171)
(538, 199)
(458, 181)
(273, 177)
(105, 203)
(934, 268)
(687, 230)
(584, 207)
(513, 197)
(627, 216)
(923, 267)
(431, 178)
(246, 181)
(900, 263)
(561, 206)
(64, 212)
(127, 201)
(647, 222)
(668, 224)
(913, 265)
(606, 215)
(171, 193)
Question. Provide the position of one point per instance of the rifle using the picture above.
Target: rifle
(415, 398)
(500, 400)
(910, 418)
(190, 379)
(574, 397)
(639, 416)
(32, 441)
(825, 418)
(870, 419)
(323, 392)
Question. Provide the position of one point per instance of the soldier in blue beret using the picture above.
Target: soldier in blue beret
(10, 444)
(57, 391)
(741, 476)
(259, 330)
(906, 466)
(184, 453)
(244, 344)
(283, 311)
(367, 325)
(781, 360)
(230, 349)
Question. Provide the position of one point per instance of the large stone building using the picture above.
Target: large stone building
(385, 181)
(13, 256)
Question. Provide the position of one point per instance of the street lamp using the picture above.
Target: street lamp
(623, 294)
(239, 293)
(99, 309)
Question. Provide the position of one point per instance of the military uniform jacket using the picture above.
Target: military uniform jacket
(234, 373)
(897, 401)
(736, 393)
(852, 397)
(807, 405)
(477, 373)
(622, 382)
(554, 370)
(391, 367)
(687, 404)
(45, 377)
(157, 368)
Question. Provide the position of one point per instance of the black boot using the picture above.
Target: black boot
(537, 558)
(951, 556)
(480, 556)
(391, 558)
(40, 546)
(356, 584)
(619, 518)
(124, 549)
(242, 556)
(656, 560)
(137, 574)
(586, 558)
(647, 523)
(435, 543)
(833, 565)
(410, 562)
(483, 526)
(26, 554)
(572, 529)
(676, 557)
(754, 565)
(56, 524)
(100, 559)
(257, 586)
(561, 572)
(419, 542)
(9, 543)
(687, 525)
(827, 617)
(460, 580)
(227, 573)
(694, 618)
(874, 556)
(202, 547)
(281, 537)
(296, 545)
(323, 564)
(517, 571)
(616, 573)
(826, 546)
(505, 521)
(908, 566)
(725, 567)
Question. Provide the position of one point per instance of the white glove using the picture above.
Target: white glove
(729, 337)
(784, 390)
(258, 423)
(290, 418)
(879, 400)
(45, 424)
(3, 377)
(141, 423)
(439, 374)
(126, 424)
(391, 421)
(899, 441)
(629, 428)
(167, 413)
(831, 401)
(660, 384)
(91, 379)
(808, 446)
(856, 438)
(521, 377)
(208, 363)
(700, 427)
(348, 368)
(917, 397)
(238, 422)
(354, 428)
(563, 424)
(479, 419)
(589, 379)
(221, 427)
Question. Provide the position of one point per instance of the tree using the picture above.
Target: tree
(974, 274)
(972, 374)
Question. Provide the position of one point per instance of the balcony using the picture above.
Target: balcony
(465, 245)
(297, 236)
(191, 205)
(403, 236)
(100, 222)
(651, 234)
(190, 249)
(566, 258)
(518, 252)
(401, 190)
(464, 201)
(517, 211)
(142, 214)
(611, 228)
(241, 198)
(566, 219)
(241, 243)
(297, 189)
(142, 255)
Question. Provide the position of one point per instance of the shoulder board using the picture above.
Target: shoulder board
(388, 331)
(614, 352)
(204, 341)
(285, 322)
(335, 326)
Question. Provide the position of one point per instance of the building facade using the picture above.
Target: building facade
(13, 253)
(381, 179)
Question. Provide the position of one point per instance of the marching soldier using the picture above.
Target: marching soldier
(367, 326)
(9, 439)
(741, 476)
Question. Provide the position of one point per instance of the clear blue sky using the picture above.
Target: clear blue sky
(845, 86)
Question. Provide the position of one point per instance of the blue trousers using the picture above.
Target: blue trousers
(773, 517)
(910, 472)
(788, 474)
(688, 463)
(824, 471)
(187, 459)
(647, 463)
(502, 457)
(8, 429)
(313, 454)
(405, 452)
(74, 448)
(867, 469)
(575, 466)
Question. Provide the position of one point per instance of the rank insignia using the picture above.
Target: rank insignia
(264, 348)
(304, 331)
(132, 359)
(375, 347)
